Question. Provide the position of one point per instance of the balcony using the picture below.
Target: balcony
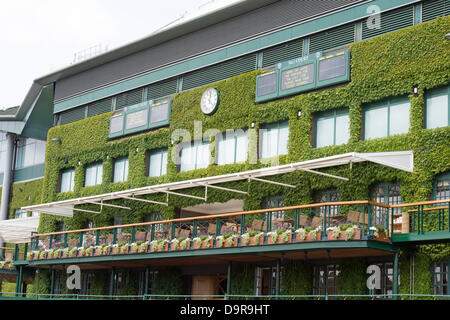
(294, 231)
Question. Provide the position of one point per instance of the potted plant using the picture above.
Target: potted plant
(30, 255)
(73, 252)
(43, 254)
(99, 250)
(252, 238)
(89, 251)
(379, 233)
(123, 247)
(308, 233)
(107, 249)
(144, 247)
(181, 243)
(115, 249)
(345, 231)
(159, 245)
(279, 236)
(204, 241)
(65, 252)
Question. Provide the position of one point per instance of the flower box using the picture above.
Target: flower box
(308, 237)
(342, 235)
(253, 242)
(115, 250)
(178, 247)
(204, 244)
(156, 247)
(98, 251)
(382, 236)
(226, 242)
(124, 249)
(279, 239)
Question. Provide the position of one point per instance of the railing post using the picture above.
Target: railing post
(152, 232)
(395, 277)
(97, 237)
(16, 252)
(25, 250)
(172, 230)
(114, 236)
(228, 280)
(324, 223)
(218, 226)
(81, 238)
(147, 273)
(243, 224)
(277, 280)
(50, 245)
(296, 219)
(369, 219)
(448, 218)
(65, 239)
(133, 233)
(194, 229)
(392, 222)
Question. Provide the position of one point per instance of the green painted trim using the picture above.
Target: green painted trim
(268, 40)
(313, 245)
(431, 236)
(29, 173)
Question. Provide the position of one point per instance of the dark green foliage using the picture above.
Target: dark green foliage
(242, 280)
(353, 277)
(296, 278)
(168, 281)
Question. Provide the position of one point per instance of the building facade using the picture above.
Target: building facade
(269, 148)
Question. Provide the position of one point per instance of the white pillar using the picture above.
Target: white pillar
(6, 186)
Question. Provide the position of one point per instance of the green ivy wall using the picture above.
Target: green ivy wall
(387, 66)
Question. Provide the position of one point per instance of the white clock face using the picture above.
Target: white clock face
(210, 101)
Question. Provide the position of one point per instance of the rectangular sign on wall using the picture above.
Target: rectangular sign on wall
(303, 74)
(140, 117)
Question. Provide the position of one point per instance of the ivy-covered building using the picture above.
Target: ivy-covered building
(287, 148)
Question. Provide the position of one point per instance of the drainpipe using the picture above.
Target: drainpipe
(7, 180)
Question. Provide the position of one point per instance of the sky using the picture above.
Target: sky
(39, 37)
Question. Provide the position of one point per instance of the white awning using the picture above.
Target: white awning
(18, 230)
(402, 160)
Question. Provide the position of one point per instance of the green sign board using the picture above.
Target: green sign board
(303, 74)
(140, 117)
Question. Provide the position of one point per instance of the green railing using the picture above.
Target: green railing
(350, 220)
(345, 220)
(34, 296)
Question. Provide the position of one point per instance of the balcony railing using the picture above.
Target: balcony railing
(350, 220)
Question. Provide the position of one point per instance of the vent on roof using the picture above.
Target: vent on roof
(72, 115)
(219, 71)
(99, 107)
(333, 38)
(282, 52)
(129, 98)
(390, 21)
(162, 89)
(435, 8)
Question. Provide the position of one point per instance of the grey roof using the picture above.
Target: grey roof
(9, 111)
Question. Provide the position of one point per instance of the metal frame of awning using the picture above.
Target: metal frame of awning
(402, 160)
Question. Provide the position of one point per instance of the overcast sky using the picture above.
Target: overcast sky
(38, 37)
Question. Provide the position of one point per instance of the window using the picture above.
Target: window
(118, 221)
(151, 282)
(67, 180)
(266, 281)
(120, 169)
(232, 147)
(441, 275)
(20, 214)
(332, 128)
(86, 283)
(387, 193)
(322, 196)
(386, 118)
(441, 187)
(274, 202)
(94, 174)
(384, 271)
(30, 152)
(160, 229)
(194, 155)
(274, 139)
(2, 151)
(157, 162)
(325, 279)
(59, 227)
(437, 108)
